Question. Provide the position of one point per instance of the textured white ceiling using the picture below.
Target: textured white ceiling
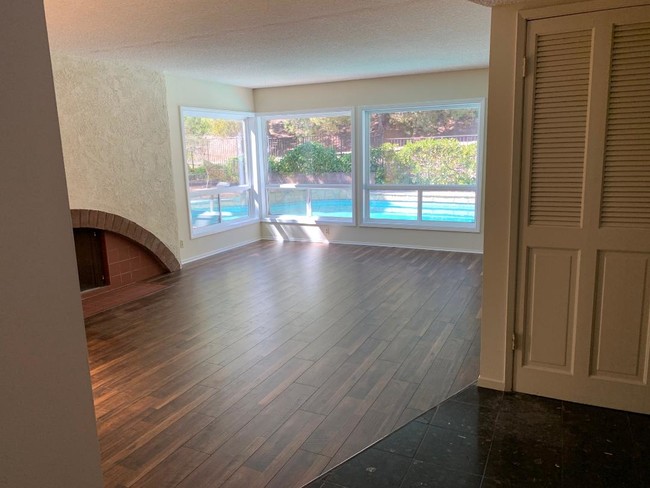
(262, 43)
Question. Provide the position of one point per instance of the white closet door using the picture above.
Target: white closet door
(584, 256)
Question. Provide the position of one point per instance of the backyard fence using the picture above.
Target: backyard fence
(216, 150)
(279, 146)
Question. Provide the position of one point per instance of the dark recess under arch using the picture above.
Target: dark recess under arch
(97, 219)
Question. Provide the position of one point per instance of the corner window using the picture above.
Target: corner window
(422, 166)
(218, 169)
(308, 167)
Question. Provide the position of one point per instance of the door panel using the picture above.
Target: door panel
(621, 320)
(551, 302)
(584, 244)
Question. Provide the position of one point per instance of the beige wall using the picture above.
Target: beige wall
(115, 135)
(378, 91)
(184, 92)
(47, 425)
(456, 85)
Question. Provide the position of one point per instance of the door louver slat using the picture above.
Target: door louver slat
(626, 177)
(560, 105)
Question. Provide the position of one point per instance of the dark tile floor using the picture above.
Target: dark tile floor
(483, 438)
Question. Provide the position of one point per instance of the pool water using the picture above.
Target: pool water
(459, 212)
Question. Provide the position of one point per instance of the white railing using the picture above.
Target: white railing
(309, 189)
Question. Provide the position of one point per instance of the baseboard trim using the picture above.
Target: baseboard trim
(219, 251)
(376, 244)
(490, 383)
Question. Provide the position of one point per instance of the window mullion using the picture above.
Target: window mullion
(308, 202)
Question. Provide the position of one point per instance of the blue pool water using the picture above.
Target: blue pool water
(379, 210)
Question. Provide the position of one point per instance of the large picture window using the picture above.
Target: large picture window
(308, 167)
(217, 165)
(422, 166)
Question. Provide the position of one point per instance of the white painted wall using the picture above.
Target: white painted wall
(47, 424)
(432, 87)
(115, 135)
(185, 92)
(499, 200)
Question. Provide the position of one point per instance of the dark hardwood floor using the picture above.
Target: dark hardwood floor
(267, 365)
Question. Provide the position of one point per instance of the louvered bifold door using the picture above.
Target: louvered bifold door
(583, 290)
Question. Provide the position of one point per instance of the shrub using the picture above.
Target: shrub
(386, 165)
(425, 162)
(311, 158)
(441, 162)
(197, 171)
(227, 172)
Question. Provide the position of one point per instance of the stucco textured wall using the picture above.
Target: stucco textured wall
(115, 135)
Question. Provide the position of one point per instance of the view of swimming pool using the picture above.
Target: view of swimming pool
(400, 210)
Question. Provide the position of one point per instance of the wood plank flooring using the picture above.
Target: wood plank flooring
(267, 365)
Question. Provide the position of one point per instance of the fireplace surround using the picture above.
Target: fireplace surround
(129, 253)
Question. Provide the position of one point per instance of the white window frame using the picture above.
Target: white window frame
(366, 187)
(250, 168)
(264, 166)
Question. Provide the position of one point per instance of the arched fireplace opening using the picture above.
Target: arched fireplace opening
(113, 251)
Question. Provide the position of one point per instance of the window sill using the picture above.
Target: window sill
(218, 228)
(468, 228)
(307, 221)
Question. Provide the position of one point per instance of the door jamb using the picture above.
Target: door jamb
(515, 198)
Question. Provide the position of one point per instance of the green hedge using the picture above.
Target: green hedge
(226, 172)
(425, 162)
(311, 158)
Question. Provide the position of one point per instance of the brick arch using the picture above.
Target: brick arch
(96, 219)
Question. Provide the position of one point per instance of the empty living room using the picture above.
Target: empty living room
(273, 243)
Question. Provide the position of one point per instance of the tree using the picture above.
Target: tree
(196, 126)
(207, 126)
(427, 123)
(310, 127)
(284, 134)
